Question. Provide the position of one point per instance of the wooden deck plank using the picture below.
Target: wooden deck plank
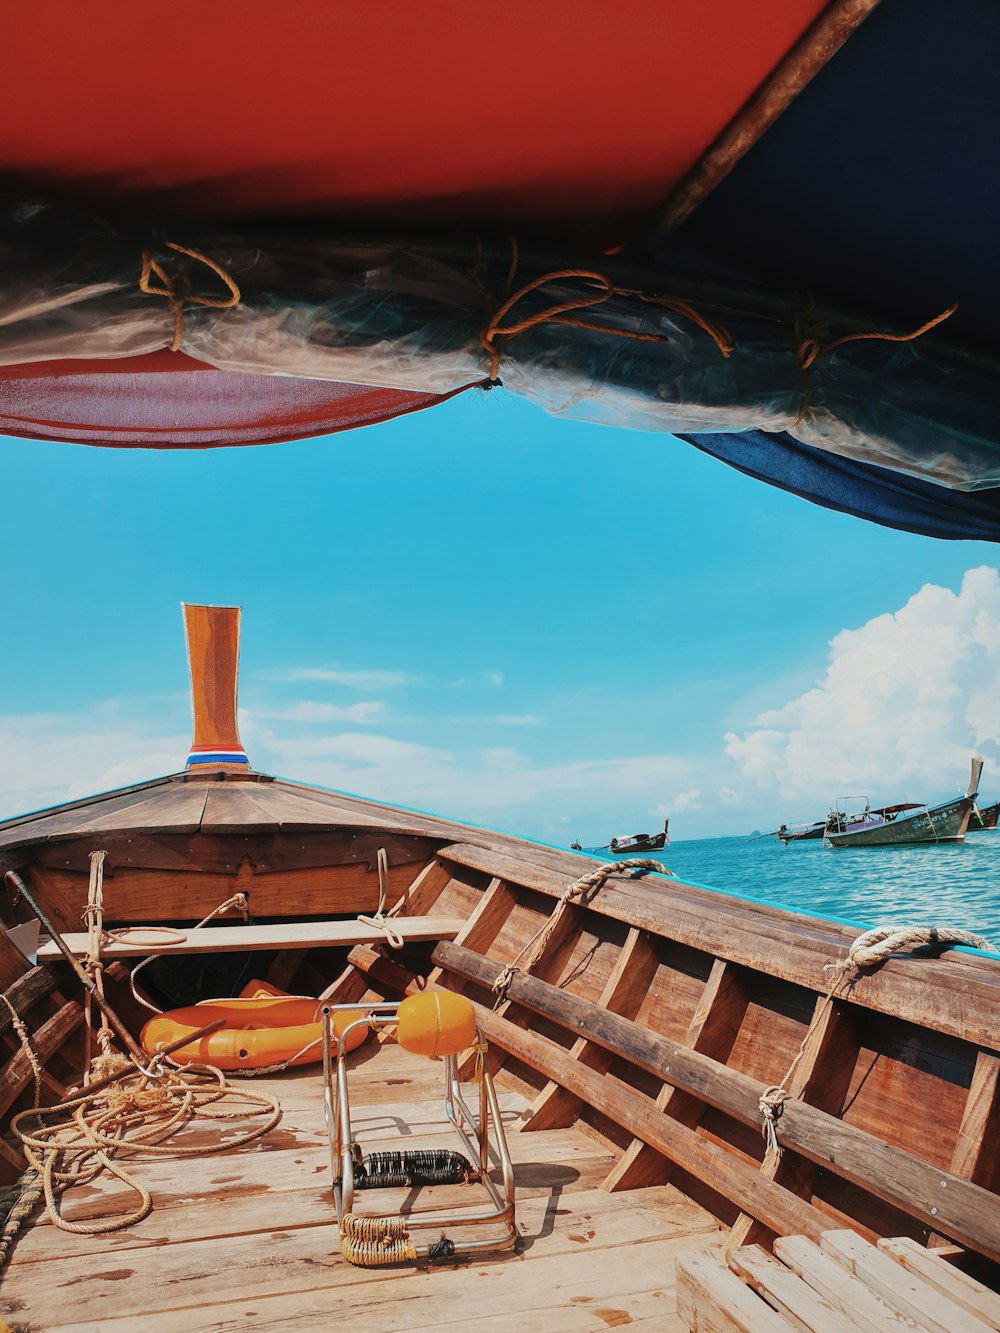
(184, 1276)
(575, 1293)
(280, 935)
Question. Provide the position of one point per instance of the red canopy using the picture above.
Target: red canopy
(571, 116)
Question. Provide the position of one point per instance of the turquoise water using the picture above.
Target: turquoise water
(948, 885)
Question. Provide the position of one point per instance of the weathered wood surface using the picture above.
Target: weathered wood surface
(963, 1001)
(279, 935)
(248, 1239)
(953, 1206)
(844, 1284)
(775, 1206)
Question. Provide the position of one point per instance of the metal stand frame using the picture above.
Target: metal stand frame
(474, 1134)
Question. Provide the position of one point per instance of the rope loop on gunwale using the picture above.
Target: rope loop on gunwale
(580, 888)
(869, 950)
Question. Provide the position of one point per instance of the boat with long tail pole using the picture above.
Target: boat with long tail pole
(907, 823)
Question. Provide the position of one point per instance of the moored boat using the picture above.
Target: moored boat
(985, 816)
(634, 843)
(907, 823)
(639, 1033)
(801, 832)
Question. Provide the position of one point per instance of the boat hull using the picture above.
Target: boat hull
(942, 823)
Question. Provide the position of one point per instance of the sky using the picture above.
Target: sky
(560, 630)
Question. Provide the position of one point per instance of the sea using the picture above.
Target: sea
(951, 884)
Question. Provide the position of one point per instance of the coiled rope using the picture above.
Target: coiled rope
(140, 1115)
(375, 1241)
(869, 950)
(580, 888)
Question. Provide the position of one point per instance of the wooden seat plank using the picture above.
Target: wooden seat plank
(955, 1284)
(714, 1300)
(142, 940)
(841, 1288)
(921, 1300)
(801, 1305)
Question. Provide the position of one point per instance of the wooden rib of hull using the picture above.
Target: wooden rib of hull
(651, 1019)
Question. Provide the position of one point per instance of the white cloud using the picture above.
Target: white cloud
(499, 720)
(687, 800)
(906, 700)
(308, 710)
(353, 680)
(49, 758)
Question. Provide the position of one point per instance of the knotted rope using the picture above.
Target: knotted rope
(580, 888)
(240, 901)
(810, 349)
(560, 314)
(869, 950)
(177, 290)
(380, 920)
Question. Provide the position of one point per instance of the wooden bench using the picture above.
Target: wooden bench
(141, 941)
(840, 1285)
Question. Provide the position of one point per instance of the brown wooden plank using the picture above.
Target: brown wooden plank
(639, 1115)
(18, 1073)
(142, 1285)
(900, 1287)
(821, 1077)
(960, 1210)
(711, 1299)
(963, 1290)
(176, 808)
(623, 993)
(957, 994)
(160, 897)
(842, 1289)
(800, 1304)
(279, 935)
(977, 1151)
(712, 1032)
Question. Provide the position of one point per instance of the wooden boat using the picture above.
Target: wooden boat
(636, 843)
(801, 832)
(633, 1027)
(985, 816)
(893, 825)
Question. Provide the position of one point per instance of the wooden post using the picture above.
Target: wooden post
(213, 643)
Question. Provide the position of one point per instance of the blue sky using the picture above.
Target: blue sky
(497, 615)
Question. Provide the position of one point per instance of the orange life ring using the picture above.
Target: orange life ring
(264, 1027)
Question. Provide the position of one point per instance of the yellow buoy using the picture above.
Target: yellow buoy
(436, 1023)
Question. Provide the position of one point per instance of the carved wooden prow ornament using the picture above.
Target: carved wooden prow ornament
(213, 645)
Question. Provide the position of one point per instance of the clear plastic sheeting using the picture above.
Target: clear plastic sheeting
(412, 316)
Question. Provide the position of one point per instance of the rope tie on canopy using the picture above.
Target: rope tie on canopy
(809, 348)
(581, 888)
(559, 313)
(869, 950)
(176, 288)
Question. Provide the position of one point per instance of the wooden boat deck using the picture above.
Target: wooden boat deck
(248, 1239)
